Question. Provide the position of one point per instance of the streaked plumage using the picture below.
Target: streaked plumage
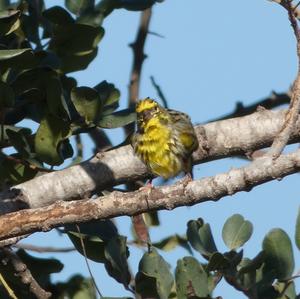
(165, 139)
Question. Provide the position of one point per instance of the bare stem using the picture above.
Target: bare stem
(282, 138)
(138, 59)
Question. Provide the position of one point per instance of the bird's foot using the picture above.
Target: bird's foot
(148, 187)
(186, 179)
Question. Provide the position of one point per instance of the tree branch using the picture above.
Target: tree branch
(25, 275)
(139, 225)
(43, 249)
(282, 138)
(116, 204)
(232, 137)
(12, 241)
(138, 59)
(271, 102)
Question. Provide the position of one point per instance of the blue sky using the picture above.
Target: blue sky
(213, 54)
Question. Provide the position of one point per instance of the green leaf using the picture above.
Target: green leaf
(290, 291)
(7, 96)
(20, 141)
(68, 83)
(96, 15)
(12, 172)
(75, 39)
(200, 236)
(117, 119)
(87, 103)
(151, 218)
(58, 15)
(50, 134)
(55, 99)
(107, 6)
(93, 245)
(103, 229)
(10, 54)
(77, 287)
(47, 59)
(75, 62)
(95, 235)
(252, 265)
(172, 242)
(109, 96)
(247, 273)
(236, 231)
(9, 21)
(92, 17)
(78, 7)
(154, 278)
(116, 254)
(29, 27)
(46, 80)
(264, 283)
(136, 5)
(217, 262)
(191, 279)
(76, 45)
(234, 257)
(17, 58)
(40, 266)
(22, 130)
(213, 279)
(297, 232)
(279, 254)
(86, 291)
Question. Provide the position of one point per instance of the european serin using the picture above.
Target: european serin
(165, 139)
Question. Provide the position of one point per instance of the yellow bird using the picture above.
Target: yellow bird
(165, 139)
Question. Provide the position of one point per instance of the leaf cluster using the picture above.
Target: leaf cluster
(267, 275)
(39, 48)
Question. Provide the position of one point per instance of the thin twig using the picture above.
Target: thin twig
(12, 241)
(159, 92)
(79, 155)
(86, 261)
(273, 101)
(101, 140)
(282, 138)
(138, 59)
(25, 275)
(295, 7)
(7, 288)
(26, 163)
(41, 249)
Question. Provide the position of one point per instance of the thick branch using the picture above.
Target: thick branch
(116, 204)
(25, 275)
(231, 137)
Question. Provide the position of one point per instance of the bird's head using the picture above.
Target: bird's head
(147, 109)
